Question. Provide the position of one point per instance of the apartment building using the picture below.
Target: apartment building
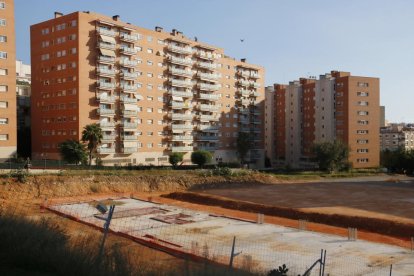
(152, 92)
(23, 93)
(335, 106)
(397, 136)
(8, 133)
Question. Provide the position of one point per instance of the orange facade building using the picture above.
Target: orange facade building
(8, 120)
(152, 92)
(335, 106)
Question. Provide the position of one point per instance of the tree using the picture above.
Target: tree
(73, 152)
(93, 135)
(400, 160)
(332, 156)
(201, 157)
(175, 158)
(243, 145)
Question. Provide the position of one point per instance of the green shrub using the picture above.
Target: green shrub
(175, 158)
(201, 157)
(222, 171)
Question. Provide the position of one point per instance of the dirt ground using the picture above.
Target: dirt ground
(391, 198)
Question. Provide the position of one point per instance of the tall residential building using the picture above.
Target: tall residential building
(152, 92)
(397, 136)
(23, 92)
(8, 133)
(382, 116)
(335, 106)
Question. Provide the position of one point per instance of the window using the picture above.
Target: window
(362, 160)
(362, 141)
(3, 72)
(362, 150)
(3, 88)
(60, 40)
(363, 103)
(73, 23)
(149, 86)
(3, 55)
(150, 133)
(150, 122)
(4, 137)
(3, 38)
(150, 75)
(150, 51)
(149, 109)
(362, 131)
(4, 121)
(149, 63)
(2, 5)
(73, 51)
(3, 104)
(149, 38)
(60, 27)
(72, 37)
(150, 145)
(45, 31)
(2, 22)
(362, 122)
(363, 84)
(362, 113)
(362, 94)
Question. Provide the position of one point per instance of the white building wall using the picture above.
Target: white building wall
(293, 123)
(269, 122)
(325, 109)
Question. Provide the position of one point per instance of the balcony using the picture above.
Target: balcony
(244, 92)
(181, 127)
(106, 150)
(206, 65)
(106, 85)
(181, 61)
(181, 83)
(208, 77)
(207, 56)
(208, 97)
(208, 87)
(181, 117)
(183, 138)
(255, 84)
(244, 74)
(128, 88)
(129, 125)
(129, 149)
(128, 50)
(244, 111)
(106, 137)
(101, 71)
(107, 32)
(179, 105)
(208, 118)
(128, 63)
(106, 99)
(106, 125)
(245, 129)
(179, 49)
(129, 113)
(207, 148)
(243, 83)
(255, 76)
(130, 137)
(177, 93)
(256, 112)
(104, 45)
(255, 94)
(128, 37)
(129, 75)
(244, 102)
(126, 99)
(181, 149)
(106, 111)
(208, 107)
(207, 138)
(180, 72)
(106, 59)
(208, 128)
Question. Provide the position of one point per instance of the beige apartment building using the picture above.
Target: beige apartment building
(153, 92)
(335, 106)
(397, 136)
(8, 132)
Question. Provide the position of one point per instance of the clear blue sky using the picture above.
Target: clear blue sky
(289, 38)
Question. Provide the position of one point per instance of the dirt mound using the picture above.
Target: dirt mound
(373, 225)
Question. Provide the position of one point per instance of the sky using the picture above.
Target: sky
(290, 39)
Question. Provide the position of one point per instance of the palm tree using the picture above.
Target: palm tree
(93, 135)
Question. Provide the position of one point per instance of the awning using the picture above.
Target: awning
(108, 39)
(130, 144)
(177, 99)
(108, 53)
(130, 107)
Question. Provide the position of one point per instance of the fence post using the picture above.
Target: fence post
(232, 252)
(391, 270)
(324, 263)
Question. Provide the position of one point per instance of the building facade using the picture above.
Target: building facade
(335, 106)
(152, 92)
(23, 93)
(397, 136)
(8, 133)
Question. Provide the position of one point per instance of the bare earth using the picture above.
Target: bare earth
(382, 197)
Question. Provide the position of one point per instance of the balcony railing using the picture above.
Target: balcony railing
(182, 61)
(255, 94)
(128, 37)
(129, 113)
(105, 71)
(207, 138)
(245, 129)
(179, 105)
(128, 50)
(103, 31)
(107, 124)
(180, 117)
(245, 74)
(255, 76)
(129, 125)
(177, 93)
(245, 102)
(130, 137)
(126, 99)
(181, 149)
(208, 87)
(182, 138)
(105, 150)
(179, 49)
(244, 83)
(106, 137)
(180, 72)
(208, 56)
(106, 85)
(244, 92)
(208, 128)
(129, 75)
(105, 59)
(206, 65)
(104, 111)
(106, 98)
(129, 149)
(181, 127)
(209, 97)
(104, 45)
(181, 83)
(206, 76)
(207, 148)
(208, 118)
(128, 87)
(255, 84)
(128, 63)
(207, 107)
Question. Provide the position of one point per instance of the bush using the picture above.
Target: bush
(222, 171)
(201, 157)
(20, 174)
(175, 158)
